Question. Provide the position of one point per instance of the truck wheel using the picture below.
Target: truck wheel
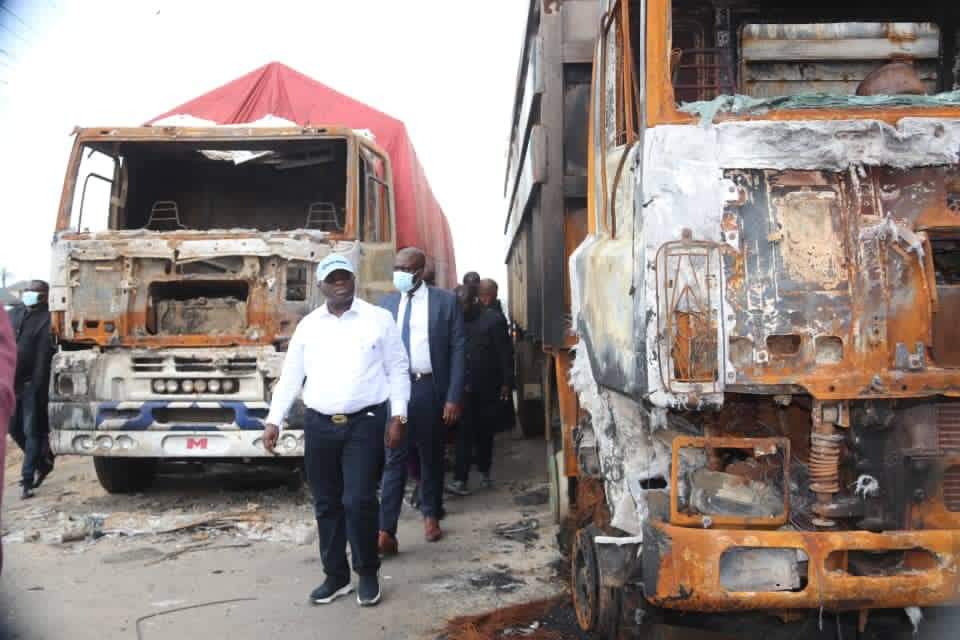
(125, 475)
(598, 608)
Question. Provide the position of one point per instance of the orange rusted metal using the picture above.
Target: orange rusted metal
(688, 571)
(661, 106)
(569, 411)
(266, 320)
(836, 321)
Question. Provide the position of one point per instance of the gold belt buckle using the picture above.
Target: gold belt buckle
(339, 419)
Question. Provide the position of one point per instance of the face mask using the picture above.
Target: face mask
(30, 298)
(403, 281)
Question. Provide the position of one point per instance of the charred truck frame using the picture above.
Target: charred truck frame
(767, 371)
(546, 190)
(173, 317)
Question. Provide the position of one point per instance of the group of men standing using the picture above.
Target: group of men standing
(384, 384)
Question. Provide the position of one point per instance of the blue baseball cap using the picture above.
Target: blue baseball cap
(333, 262)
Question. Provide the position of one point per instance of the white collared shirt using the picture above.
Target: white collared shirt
(350, 362)
(419, 329)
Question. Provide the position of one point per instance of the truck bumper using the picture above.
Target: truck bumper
(174, 444)
(681, 569)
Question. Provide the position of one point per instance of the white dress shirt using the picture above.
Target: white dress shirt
(350, 362)
(419, 329)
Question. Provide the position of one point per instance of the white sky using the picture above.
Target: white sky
(447, 69)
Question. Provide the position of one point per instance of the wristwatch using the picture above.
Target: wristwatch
(403, 419)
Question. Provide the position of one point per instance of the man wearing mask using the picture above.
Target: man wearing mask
(350, 354)
(431, 326)
(29, 426)
(488, 382)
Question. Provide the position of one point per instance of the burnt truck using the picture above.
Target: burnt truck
(764, 359)
(172, 319)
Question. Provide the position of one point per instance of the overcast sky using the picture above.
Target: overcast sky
(447, 69)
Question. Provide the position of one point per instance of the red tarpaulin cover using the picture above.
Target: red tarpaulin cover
(276, 89)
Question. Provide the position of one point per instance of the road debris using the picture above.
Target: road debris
(524, 531)
(500, 579)
(538, 620)
(134, 524)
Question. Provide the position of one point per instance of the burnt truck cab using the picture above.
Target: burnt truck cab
(766, 306)
(183, 260)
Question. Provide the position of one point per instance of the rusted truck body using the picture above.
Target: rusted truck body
(175, 289)
(546, 193)
(764, 414)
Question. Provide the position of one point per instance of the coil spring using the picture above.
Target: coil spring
(825, 462)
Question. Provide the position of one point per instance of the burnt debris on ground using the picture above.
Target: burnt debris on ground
(551, 619)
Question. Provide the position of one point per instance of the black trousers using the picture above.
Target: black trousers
(481, 415)
(342, 464)
(29, 430)
(425, 434)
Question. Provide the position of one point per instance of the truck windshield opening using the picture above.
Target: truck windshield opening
(752, 56)
(207, 185)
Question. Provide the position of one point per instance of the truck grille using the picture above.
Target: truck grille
(236, 365)
(951, 488)
(948, 426)
(193, 365)
(240, 364)
(147, 364)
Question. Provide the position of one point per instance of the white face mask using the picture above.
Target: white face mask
(30, 298)
(403, 281)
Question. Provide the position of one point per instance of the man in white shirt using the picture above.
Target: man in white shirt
(431, 328)
(352, 357)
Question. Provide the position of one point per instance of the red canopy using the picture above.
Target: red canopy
(276, 89)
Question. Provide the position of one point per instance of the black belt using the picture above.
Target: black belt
(343, 418)
(417, 377)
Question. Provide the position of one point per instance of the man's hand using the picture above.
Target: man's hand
(505, 393)
(270, 434)
(395, 432)
(451, 413)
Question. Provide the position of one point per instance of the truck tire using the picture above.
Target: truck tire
(125, 475)
(598, 608)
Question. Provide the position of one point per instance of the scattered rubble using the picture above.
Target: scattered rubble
(524, 531)
(551, 619)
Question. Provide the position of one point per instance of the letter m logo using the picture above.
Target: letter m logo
(196, 443)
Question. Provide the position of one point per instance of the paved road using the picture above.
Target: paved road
(98, 589)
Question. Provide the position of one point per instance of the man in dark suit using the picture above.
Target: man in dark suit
(487, 293)
(431, 326)
(489, 380)
(29, 425)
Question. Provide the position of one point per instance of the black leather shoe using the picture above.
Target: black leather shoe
(368, 591)
(26, 492)
(329, 591)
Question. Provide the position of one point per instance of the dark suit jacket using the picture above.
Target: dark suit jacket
(446, 340)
